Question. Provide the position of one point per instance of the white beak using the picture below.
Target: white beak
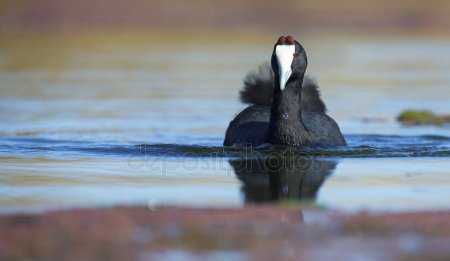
(285, 56)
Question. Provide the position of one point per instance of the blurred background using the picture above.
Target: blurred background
(82, 82)
(247, 15)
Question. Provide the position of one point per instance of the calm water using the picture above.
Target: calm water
(126, 125)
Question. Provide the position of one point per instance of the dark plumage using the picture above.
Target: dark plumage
(292, 114)
(259, 85)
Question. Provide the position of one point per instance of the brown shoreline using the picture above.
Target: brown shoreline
(267, 232)
(363, 16)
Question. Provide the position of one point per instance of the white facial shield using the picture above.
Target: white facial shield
(285, 56)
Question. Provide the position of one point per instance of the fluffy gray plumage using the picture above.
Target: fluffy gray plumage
(258, 90)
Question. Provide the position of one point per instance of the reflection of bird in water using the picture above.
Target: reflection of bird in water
(273, 178)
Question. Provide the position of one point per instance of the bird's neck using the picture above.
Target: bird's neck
(286, 125)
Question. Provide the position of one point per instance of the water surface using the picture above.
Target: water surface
(144, 125)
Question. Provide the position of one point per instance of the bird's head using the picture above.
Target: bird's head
(289, 61)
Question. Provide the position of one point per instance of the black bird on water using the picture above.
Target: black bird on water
(286, 107)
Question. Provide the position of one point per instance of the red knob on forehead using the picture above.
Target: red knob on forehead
(281, 40)
(290, 39)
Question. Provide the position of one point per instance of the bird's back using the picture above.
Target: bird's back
(249, 127)
(323, 129)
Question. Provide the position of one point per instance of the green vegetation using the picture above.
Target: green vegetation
(422, 117)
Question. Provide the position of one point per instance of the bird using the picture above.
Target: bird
(285, 106)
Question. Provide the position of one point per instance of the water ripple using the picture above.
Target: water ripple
(360, 146)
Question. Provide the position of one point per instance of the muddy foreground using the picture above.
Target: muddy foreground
(268, 232)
